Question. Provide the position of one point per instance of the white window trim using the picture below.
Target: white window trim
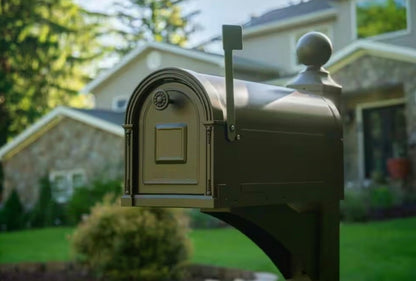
(68, 174)
(360, 131)
(115, 100)
(293, 58)
(383, 36)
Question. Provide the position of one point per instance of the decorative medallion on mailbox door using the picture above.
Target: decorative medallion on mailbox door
(161, 100)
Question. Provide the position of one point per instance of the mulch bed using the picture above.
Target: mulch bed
(61, 271)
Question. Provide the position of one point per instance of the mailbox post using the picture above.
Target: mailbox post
(279, 180)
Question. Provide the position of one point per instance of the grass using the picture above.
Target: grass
(374, 251)
(230, 248)
(39, 245)
(382, 251)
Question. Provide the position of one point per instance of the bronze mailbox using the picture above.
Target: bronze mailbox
(266, 159)
(286, 149)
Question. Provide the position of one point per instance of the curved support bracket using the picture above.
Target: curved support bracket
(299, 243)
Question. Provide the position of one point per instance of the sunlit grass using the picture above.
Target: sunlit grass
(374, 251)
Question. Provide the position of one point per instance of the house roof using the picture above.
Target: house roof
(216, 59)
(291, 11)
(299, 14)
(101, 119)
(114, 117)
(288, 16)
(360, 48)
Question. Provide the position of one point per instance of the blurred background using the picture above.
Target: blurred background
(67, 70)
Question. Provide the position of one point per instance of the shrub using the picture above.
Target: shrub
(12, 215)
(362, 204)
(384, 197)
(409, 197)
(84, 198)
(131, 243)
(1, 181)
(355, 205)
(46, 212)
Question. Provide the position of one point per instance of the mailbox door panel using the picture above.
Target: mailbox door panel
(172, 151)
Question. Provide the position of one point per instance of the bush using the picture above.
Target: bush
(1, 182)
(384, 197)
(12, 215)
(46, 212)
(121, 243)
(355, 206)
(84, 198)
(362, 204)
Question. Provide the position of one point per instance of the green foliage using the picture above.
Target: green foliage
(355, 206)
(383, 197)
(47, 212)
(47, 50)
(153, 20)
(84, 198)
(374, 18)
(199, 220)
(12, 215)
(131, 243)
(1, 181)
(359, 203)
(409, 197)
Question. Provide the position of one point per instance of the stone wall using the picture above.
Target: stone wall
(388, 77)
(68, 145)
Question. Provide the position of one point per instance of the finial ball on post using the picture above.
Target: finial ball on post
(314, 49)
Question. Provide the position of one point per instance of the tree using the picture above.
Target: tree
(46, 52)
(375, 17)
(153, 20)
(12, 215)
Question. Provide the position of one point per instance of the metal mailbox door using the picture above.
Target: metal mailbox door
(173, 142)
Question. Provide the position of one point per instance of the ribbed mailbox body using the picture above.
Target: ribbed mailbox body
(288, 147)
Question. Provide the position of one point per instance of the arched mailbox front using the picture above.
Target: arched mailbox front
(266, 159)
(287, 148)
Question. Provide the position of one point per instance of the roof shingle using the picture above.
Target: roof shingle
(301, 9)
(117, 118)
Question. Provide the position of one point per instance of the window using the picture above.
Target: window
(120, 103)
(380, 17)
(63, 183)
(384, 137)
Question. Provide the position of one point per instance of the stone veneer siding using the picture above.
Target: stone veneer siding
(370, 72)
(68, 145)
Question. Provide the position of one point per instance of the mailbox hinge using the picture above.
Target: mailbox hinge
(209, 192)
(209, 134)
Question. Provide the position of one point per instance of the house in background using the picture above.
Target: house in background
(377, 74)
(69, 146)
(378, 101)
(74, 147)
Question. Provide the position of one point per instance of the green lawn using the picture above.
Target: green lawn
(375, 251)
(40, 245)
